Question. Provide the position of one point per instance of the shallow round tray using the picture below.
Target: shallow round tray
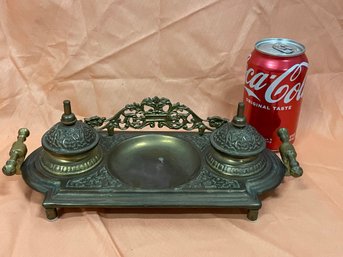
(154, 161)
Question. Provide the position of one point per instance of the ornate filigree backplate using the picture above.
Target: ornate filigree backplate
(153, 112)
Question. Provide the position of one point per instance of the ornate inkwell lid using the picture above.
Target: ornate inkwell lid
(70, 145)
(237, 138)
(69, 136)
(96, 163)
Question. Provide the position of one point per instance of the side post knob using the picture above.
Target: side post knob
(288, 154)
(17, 154)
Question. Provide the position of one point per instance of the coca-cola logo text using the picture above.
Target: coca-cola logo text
(278, 90)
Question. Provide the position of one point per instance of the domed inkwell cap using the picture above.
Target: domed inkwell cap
(70, 136)
(237, 138)
(70, 146)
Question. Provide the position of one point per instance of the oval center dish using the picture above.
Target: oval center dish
(154, 161)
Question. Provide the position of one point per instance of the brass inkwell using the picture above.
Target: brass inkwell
(96, 163)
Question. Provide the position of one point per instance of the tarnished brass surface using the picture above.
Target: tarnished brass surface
(236, 148)
(237, 138)
(17, 154)
(80, 165)
(154, 161)
(102, 187)
(69, 137)
(288, 154)
(71, 165)
(235, 167)
(70, 146)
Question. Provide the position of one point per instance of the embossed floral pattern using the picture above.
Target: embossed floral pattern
(99, 179)
(237, 141)
(61, 138)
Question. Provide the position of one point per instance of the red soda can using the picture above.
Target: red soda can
(274, 86)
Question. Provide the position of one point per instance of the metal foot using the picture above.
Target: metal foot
(51, 213)
(252, 214)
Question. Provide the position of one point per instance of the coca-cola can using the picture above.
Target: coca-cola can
(274, 86)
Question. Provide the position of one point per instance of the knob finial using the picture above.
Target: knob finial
(68, 118)
(239, 120)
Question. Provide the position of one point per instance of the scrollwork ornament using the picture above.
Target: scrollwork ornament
(99, 179)
(208, 180)
(153, 112)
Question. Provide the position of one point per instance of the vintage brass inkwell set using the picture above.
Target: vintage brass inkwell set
(94, 163)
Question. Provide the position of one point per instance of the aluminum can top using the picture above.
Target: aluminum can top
(281, 47)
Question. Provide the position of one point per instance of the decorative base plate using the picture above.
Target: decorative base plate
(152, 169)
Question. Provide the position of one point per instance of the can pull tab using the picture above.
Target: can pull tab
(283, 48)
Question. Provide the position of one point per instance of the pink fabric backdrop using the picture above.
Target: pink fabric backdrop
(102, 55)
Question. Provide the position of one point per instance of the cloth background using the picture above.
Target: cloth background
(104, 54)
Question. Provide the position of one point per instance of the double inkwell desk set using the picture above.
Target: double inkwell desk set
(202, 163)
